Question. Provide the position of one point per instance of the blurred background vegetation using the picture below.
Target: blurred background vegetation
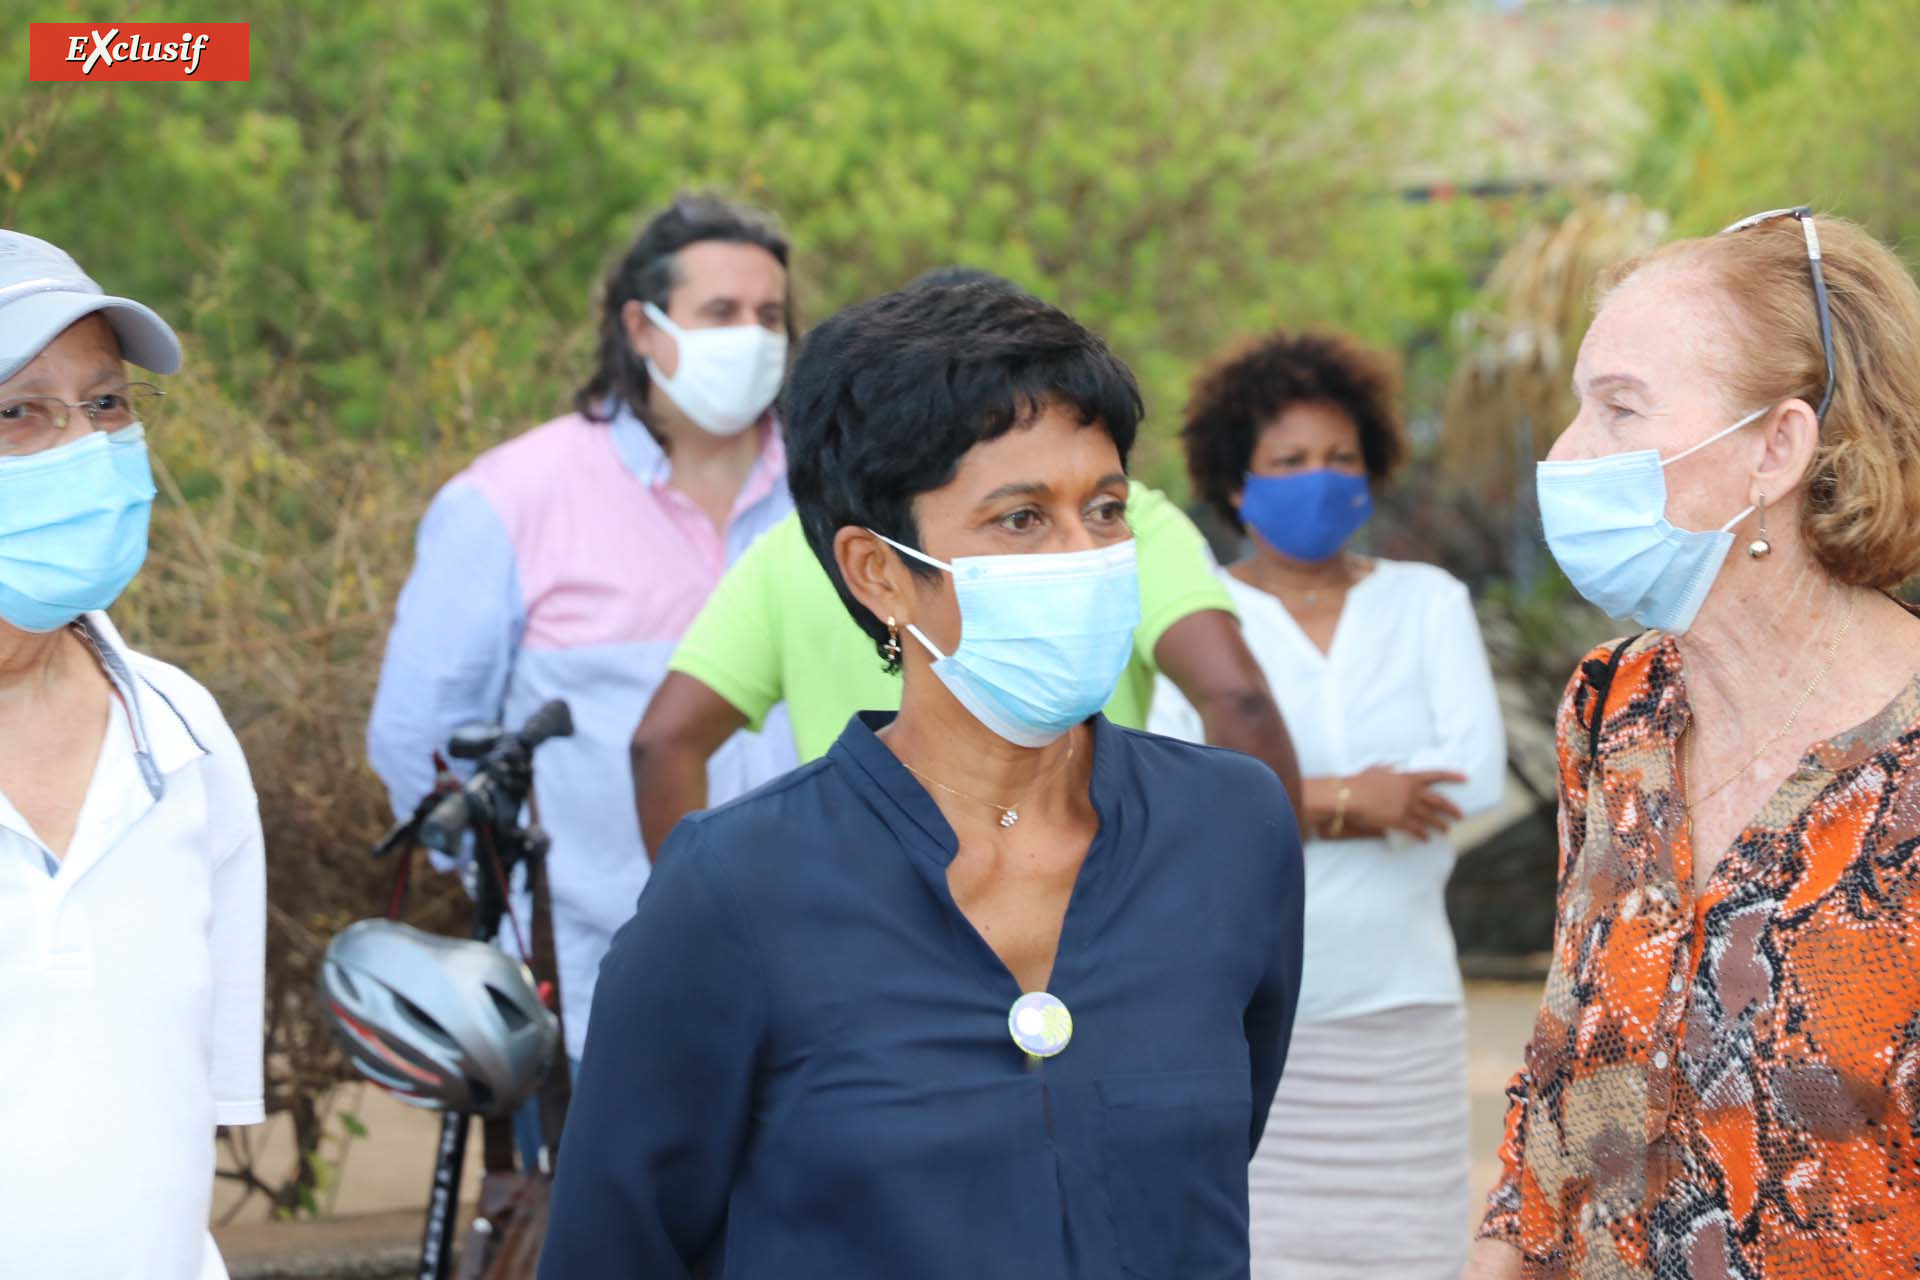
(382, 253)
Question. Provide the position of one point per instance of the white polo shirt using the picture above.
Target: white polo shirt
(131, 988)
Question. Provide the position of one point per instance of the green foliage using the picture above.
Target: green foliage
(409, 203)
(382, 251)
(1800, 101)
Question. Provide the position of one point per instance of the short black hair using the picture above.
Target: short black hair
(1243, 392)
(887, 396)
(941, 277)
(648, 272)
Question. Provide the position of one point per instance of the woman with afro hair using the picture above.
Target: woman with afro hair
(1379, 669)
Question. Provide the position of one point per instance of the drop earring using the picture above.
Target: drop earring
(892, 648)
(1760, 548)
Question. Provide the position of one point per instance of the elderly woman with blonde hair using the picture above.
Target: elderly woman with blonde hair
(1724, 1078)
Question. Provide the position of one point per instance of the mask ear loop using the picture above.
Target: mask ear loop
(921, 556)
(931, 647)
(924, 558)
(659, 317)
(1715, 438)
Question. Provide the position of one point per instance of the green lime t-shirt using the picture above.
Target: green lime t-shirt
(775, 629)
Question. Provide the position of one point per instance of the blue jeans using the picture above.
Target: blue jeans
(526, 1124)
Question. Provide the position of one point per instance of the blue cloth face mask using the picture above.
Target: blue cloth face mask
(1043, 637)
(1606, 523)
(1308, 515)
(73, 527)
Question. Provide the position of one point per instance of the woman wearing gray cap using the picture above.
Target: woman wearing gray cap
(132, 874)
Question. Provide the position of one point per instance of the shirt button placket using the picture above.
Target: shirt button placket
(1661, 1068)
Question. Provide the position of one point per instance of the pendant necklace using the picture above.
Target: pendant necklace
(1009, 813)
(1310, 596)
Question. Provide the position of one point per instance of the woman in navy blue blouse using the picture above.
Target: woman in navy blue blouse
(995, 990)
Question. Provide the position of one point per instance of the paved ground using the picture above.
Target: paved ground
(389, 1169)
(374, 1206)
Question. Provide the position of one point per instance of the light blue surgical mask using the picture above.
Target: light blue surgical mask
(1044, 637)
(73, 527)
(1606, 523)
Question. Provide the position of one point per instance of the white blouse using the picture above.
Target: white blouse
(1406, 684)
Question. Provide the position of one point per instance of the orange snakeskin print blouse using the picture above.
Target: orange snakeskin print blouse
(1725, 1088)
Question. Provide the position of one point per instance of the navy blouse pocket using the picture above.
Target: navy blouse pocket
(1175, 1147)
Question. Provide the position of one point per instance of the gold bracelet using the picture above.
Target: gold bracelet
(1339, 823)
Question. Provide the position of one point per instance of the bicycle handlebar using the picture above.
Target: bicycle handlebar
(554, 720)
(499, 785)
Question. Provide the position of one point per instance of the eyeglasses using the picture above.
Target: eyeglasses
(31, 424)
(1804, 215)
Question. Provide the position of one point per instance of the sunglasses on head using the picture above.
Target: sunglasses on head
(1804, 215)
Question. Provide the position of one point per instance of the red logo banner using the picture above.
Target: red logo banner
(138, 51)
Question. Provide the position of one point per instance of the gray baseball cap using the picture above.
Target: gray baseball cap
(43, 290)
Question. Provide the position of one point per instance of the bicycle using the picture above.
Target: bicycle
(510, 1220)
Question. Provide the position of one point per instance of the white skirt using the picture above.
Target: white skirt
(1362, 1174)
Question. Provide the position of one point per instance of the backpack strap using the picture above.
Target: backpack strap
(1599, 676)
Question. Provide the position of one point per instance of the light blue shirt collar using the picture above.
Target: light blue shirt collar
(637, 447)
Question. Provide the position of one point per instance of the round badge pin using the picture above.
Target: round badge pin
(1040, 1024)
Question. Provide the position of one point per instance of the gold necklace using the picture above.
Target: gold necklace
(1310, 596)
(1833, 650)
(1009, 813)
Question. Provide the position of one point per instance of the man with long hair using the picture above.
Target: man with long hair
(566, 562)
